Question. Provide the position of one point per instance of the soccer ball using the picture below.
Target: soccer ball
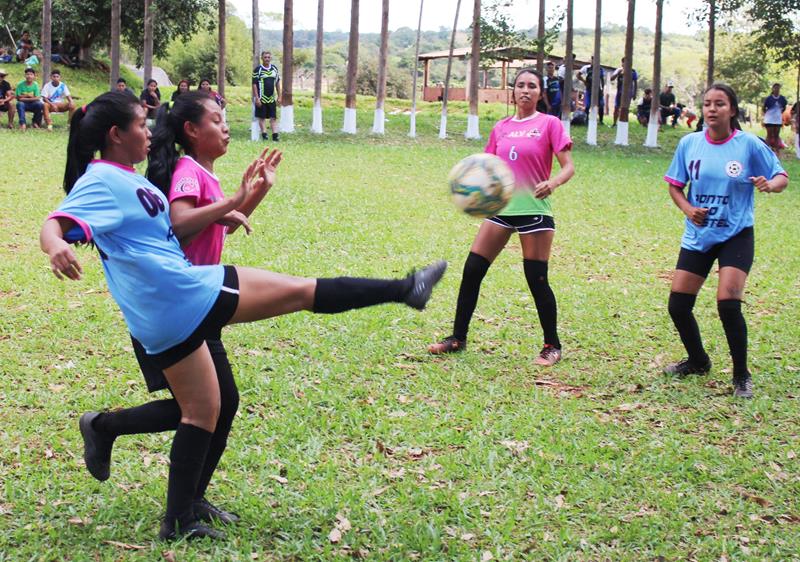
(481, 185)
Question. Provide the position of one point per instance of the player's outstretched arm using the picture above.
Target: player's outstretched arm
(268, 173)
(63, 261)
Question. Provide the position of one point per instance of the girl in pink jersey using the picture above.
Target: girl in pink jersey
(527, 142)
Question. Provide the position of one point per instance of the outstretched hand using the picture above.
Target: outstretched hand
(271, 161)
(63, 261)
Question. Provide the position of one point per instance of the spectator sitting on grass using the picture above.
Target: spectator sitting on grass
(5, 55)
(56, 98)
(122, 86)
(6, 98)
(29, 99)
(643, 109)
(24, 47)
(183, 87)
(151, 101)
(205, 86)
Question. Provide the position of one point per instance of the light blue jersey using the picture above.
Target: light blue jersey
(162, 296)
(718, 174)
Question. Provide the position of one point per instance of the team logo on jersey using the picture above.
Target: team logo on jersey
(534, 133)
(734, 169)
(187, 185)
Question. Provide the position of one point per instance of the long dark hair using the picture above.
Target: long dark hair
(89, 127)
(733, 100)
(168, 132)
(541, 106)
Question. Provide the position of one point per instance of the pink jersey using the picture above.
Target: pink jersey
(528, 146)
(190, 179)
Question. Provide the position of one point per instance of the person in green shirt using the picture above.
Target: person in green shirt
(29, 99)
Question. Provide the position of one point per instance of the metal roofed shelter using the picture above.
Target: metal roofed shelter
(507, 59)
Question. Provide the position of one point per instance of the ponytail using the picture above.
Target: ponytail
(169, 134)
(89, 127)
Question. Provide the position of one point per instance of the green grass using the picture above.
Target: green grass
(601, 457)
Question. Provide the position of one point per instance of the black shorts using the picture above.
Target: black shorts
(738, 251)
(209, 329)
(267, 110)
(524, 224)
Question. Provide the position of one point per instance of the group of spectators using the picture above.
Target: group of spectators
(27, 97)
(25, 52)
(150, 97)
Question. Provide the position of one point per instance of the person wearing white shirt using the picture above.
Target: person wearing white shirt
(56, 98)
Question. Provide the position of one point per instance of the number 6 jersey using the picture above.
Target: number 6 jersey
(718, 174)
(527, 146)
(162, 296)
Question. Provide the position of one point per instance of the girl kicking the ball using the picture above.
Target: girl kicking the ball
(721, 165)
(171, 306)
(527, 142)
(201, 219)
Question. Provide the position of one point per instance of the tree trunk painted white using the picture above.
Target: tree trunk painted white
(797, 145)
(412, 127)
(349, 121)
(446, 89)
(352, 72)
(287, 119)
(316, 118)
(622, 133)
(379, 122)
(255, 130)
(383, 56)
(566, 124)
(473, 131)
(591, 129)
(652, 126)
(287, 104)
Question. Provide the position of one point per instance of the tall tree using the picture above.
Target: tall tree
(540, 40)
(569, 61)
(712, 34)
(287, 106)
(591, 130)
(148, 40)
(383, 57)
(446, 89)
(47, 45)
(473, 130)
(352, 71)
(655, 113)
(412, 131)
(316, 121)
(627, 79)
(221, 21)
(256, 14)
(116, 15)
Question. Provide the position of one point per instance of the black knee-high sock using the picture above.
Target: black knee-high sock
(229, 397)
(186, 460)
(152, 417)
(346, 293)
(475, 269)
(730, 312)
(546, 306)
(680, 309)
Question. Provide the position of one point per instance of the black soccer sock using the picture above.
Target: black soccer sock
(546, 305)
(680, 309)
(475, 269)
(346, 293)
(730, 312)
(152, 417)
(186, 460)
(229, 398)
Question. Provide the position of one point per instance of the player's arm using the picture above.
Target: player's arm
(268, 172)
(256, 97)
(695, 214)
(278, 96)
(63, 261)
(775, 185)
(548, 186)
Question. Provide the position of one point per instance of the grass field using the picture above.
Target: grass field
(345, 423)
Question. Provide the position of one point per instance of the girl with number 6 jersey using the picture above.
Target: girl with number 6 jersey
(171, 306)
(721, 165)
(527, 142)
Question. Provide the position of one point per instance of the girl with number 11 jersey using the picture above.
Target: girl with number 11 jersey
(527, 142)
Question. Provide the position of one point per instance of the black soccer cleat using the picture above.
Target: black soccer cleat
(275, 137)
(96, 447)
(206, 511)
(422, 282)
(172, 530)
(743, 386)
(687, 367)
(450, 344)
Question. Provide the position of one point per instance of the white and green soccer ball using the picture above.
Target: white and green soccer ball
(481, 185)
